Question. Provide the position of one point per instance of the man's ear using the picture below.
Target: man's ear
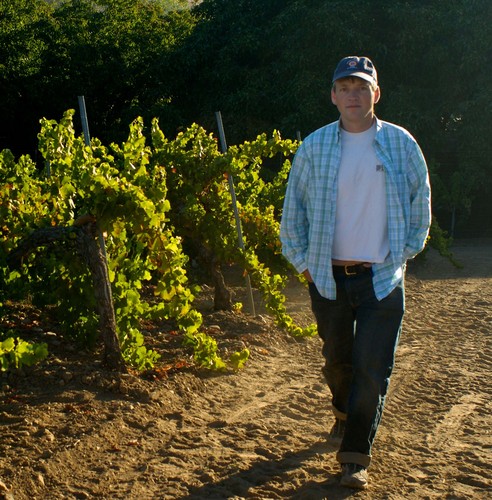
(333, 96)
(377, 94)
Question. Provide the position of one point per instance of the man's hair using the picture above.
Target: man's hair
(373, 85)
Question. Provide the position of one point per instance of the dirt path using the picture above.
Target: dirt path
(74, 432)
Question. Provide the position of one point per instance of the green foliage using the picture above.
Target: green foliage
(266, 64)
(146, 200)
(127, 197)
(205, 353)
(271, 67)
(135, 353)
(271, 285)
(16, 353)
(440, 241)
(238, 359)
(149, 202)
(52, 52)
(201, 207)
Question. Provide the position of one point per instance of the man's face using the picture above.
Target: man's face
(355, 99)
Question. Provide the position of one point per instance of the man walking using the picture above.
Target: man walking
(357, 207)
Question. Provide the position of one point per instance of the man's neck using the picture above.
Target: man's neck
(359, 126)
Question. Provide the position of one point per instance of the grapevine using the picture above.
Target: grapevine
(201, 206)
(17, 353)
(148, 202)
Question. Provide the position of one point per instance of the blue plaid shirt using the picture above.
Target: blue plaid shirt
(308, 219)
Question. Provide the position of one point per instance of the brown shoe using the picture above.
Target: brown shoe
(354, 476)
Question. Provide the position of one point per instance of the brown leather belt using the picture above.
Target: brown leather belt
(353, 270)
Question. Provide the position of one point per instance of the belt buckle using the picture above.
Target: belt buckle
(347, 273)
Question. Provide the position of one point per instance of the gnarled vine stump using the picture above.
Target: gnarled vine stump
(90, 250)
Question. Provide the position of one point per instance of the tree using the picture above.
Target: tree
(265, 64)
(268, 65)
(115, 52)
(20, 64)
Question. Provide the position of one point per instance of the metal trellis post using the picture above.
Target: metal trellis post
(87, 140)
(223, 146)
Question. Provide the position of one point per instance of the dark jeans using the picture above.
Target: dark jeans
(360, 335)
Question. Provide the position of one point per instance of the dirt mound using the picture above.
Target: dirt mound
(70, 429)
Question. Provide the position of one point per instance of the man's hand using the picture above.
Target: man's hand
(307, 275)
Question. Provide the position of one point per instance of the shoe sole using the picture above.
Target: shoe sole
(351, 482)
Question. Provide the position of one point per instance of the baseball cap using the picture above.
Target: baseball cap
(361, 67)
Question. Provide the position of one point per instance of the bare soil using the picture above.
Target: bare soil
(69, 429)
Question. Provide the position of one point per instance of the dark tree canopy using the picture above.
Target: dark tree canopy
(265, 64)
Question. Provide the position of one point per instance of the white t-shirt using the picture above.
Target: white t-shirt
(361, 229)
